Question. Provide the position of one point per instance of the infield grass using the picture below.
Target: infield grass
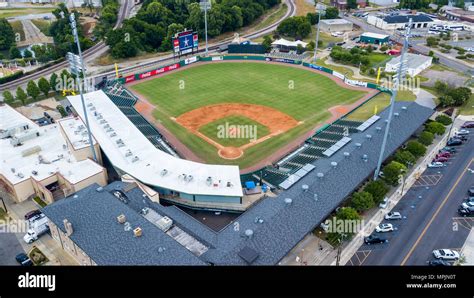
(300, 93)
(247, 130)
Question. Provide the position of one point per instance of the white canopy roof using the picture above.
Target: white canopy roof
(141, 159)
(288, 43)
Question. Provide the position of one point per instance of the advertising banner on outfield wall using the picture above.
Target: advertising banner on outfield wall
(190, 60)
(315, 67)
(355, 83)
(158, 71)
(218, 58)
(129, 79)
(283, 60)
(339, 75)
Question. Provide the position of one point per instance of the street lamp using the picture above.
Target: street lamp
(72, 20)
(320, 9)
(205, 6)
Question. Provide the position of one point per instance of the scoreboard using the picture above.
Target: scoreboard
(185, 42)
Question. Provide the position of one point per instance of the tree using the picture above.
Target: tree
(53, 82)
(8, 97)
(444, 119)
(405, 157)
(426, 138)
(460, 95)
(378, 189)
(7, 35)
(392, 171)
(15, 53)
(44, 86)
(32, 89)
(441, 87)
(431, 42)
(345, 214)
(331, 13)
(435, 128)
(362, 201)
(352, 4)
(124, 50)
(21, 95)
(416, 148)
(27, 53)
(296, 27)
(446, 100)
(267, 43)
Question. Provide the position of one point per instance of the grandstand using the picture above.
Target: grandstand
(126, 101)
(310, 152)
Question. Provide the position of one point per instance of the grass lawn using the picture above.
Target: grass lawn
(18, 28)
(377, 104)
(13, 12)
(215, 130)
(43, 26)
(377, 59)
(252, 83)
(274, 15)
(468, 107)
(303, 7)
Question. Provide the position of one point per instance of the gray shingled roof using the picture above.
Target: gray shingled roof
(404, 19)
(97, 232)
(283, 225)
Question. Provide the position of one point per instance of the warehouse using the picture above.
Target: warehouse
(335, 25)
(374, 38)
(394, 22)
(415, 64)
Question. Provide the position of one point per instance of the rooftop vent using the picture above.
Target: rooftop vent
(75, 196)
(99, 189)
(404, 108)
(396, 114)
(137, 232)
(258, 220)
(320, 175)
(334, 164)
(161, 249)
(35, 173)
(365, 157)
(358, 145)
(378, 128)
(121, 218)
(248, 233)
(68, 227)
(305, 187)
(346, 154)
(288, 201)
(369, 137)
(209, 181)
(230, 184)
(164, 172)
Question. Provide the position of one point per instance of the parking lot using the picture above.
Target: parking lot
(10, 246)
(429, 215)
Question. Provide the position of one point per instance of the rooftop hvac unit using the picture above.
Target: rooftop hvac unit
(128, 153)
(119, 141)
(229, 184)
(209, 181)
(20, 175)
(121, 218)
(164, 172)
(35, 173)
(103, 121)
(188, 178)
(106, 126)
(90, 104)
(137, 232)
(92, 108)
(164, 223)
(81, 127)
(114, 134)
(110, 129)
(121, 145)
(99, 116)
(135, 159)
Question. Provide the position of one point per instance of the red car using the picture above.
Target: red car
(440, 159)
(443, 154)
(468, 124)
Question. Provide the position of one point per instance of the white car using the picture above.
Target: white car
(463, 132)
(384, 228)
(393, 215)
(446, 254)
(384, 203)
(468, 204)
(436, 164)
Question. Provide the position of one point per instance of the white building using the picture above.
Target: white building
(50, 162)
(385, 2)
(415, 64)
(394, 22)
(335, 25)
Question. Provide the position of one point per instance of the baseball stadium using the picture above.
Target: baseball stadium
(216, 133)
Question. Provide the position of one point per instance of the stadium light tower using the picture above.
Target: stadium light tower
(205, 6)
(397, 80)
(321, 10)
(81, 70)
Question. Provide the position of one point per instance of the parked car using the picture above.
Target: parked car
(439, 263)
(446, 254)
(23, 259)
(384, 203)
(454, 142)
(373, 239)
(468, 205)
(465, 212)
(463, 132)
(440, 159)
(449, 149)
(468, 124)
(444, 154)
(470, 192)
(32, 214)
(393, 215)
(436, 164)
(384, 228)
(36, 217)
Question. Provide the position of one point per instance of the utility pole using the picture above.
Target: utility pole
(205, 5)
(72, 20)
(396, 84)
(320, 9)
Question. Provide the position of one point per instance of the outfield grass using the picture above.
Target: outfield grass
(300, 93)
(377, 104)
(214, 130)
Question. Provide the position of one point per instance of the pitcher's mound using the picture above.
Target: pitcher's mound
(230, 152)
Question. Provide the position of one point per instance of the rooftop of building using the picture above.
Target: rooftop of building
(266, 232)
(375, 35)
(76, 132)
(336, 22)
(129, 150)
(40, 153)
(413, 60)
(396, 19)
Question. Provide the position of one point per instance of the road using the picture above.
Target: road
(415, 47)
(33, 35)
(88, 54)
(430, 215)
(100, 48)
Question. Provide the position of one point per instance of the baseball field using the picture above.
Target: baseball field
(243, 113)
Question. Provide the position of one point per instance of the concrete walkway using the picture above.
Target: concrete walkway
(424, 98)
(310, 251)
